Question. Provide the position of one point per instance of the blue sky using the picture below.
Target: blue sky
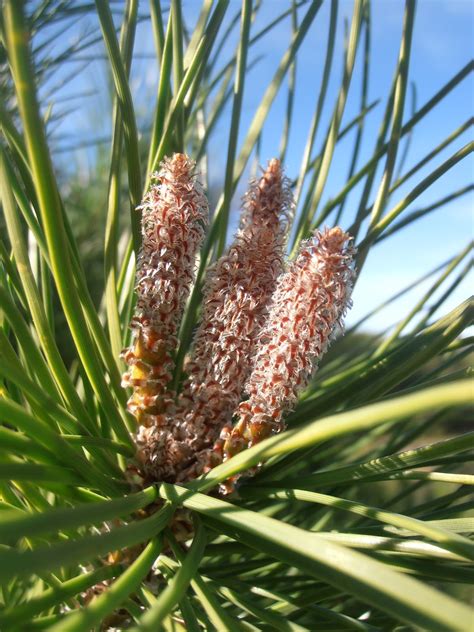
(442, 45)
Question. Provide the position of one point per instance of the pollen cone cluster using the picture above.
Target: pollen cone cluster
(262, 330)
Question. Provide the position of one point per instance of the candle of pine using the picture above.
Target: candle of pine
(236, 294)
(309, 301)
(174, 216)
